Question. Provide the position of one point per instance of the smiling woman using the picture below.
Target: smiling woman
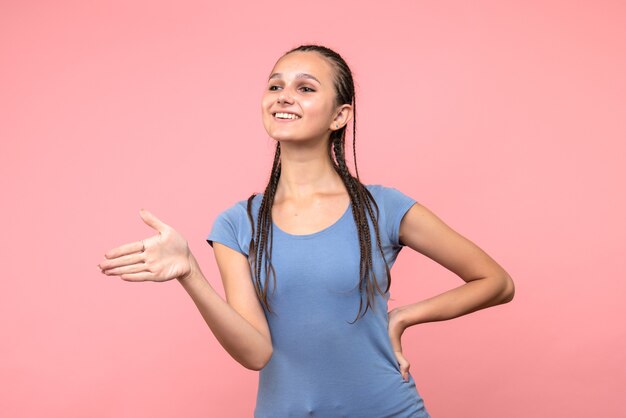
(306, 265)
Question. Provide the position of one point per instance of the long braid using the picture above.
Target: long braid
(356, 168)
(264, 233)
(360, 197)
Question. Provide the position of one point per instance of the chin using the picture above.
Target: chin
(280, 135)
(283, 138)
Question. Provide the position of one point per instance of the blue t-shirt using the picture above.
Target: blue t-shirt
(322, 365)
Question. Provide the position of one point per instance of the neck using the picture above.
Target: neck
(306, 171)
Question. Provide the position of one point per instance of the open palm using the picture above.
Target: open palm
(159, 258)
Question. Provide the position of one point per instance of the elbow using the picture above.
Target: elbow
(260, 362)
(508, 290)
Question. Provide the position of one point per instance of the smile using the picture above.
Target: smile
(283, 115)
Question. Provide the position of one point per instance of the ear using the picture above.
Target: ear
(343, 115)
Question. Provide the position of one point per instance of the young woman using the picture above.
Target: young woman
(306, 265)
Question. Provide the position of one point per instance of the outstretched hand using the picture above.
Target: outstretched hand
(159, 258)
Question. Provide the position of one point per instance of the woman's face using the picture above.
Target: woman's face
(299, 100)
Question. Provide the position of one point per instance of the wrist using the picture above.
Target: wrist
(396, 329)
(398, 320)
(194, 270)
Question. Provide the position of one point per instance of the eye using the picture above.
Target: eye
(274, 87)
(307, 89)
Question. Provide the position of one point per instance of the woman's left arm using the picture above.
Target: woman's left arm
(486, 282)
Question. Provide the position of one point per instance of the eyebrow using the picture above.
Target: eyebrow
(299, 75)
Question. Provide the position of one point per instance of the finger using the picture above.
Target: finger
(138, 277)
(405, 371)
(152, 220)
(122, 261)
(134, 268)
(403, 365)
(130, 248)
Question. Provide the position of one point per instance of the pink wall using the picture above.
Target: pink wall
(507, 119)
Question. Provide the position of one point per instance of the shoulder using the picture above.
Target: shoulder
(392, 205)
(232, 225)
(380, 188)
(239, 209)
(388, 195)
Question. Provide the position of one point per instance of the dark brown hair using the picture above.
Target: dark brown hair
(360, 197)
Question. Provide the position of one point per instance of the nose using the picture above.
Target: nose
(284, 98)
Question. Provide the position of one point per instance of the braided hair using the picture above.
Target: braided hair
(362, 201)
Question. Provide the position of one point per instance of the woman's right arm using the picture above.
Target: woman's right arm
(238, 323)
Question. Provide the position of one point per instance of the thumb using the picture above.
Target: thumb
(152, 220)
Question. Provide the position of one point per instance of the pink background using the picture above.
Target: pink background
(507, 119)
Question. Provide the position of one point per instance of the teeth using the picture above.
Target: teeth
(282, 115)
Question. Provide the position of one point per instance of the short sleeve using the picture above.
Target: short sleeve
(230, 229)
(395, 205)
